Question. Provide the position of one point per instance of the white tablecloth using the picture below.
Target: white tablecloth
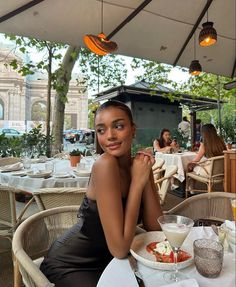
(118, 272)
(181, 160)
(29, 184)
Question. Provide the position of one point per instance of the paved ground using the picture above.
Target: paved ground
(6, 268)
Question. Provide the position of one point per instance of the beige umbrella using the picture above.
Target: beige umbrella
(161, 30)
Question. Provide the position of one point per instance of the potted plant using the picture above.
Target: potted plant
(75, 156)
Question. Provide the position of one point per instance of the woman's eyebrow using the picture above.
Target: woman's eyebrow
(113, 122)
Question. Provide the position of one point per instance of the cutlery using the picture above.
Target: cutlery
(134, 266)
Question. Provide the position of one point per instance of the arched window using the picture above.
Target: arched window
(1, 110)
(38, 111)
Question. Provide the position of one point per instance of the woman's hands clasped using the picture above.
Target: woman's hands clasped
(141, 167)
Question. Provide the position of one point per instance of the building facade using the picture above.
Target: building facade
(23, 99)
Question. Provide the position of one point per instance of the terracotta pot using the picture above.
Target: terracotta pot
(74, 159)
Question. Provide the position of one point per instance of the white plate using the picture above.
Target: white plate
(82, 173)
(62, 174)
(11, 167)
(138, 250)
(19, 173)
(39, 174)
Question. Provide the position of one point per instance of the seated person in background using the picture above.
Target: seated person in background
(164, 143)
(211, 145)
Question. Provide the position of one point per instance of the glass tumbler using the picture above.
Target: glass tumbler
(208, 257)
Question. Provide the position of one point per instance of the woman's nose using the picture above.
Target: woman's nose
(111, 134)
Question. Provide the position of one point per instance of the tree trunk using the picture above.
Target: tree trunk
(49, 88)
(62, 87)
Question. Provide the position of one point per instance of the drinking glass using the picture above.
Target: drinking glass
(26, 162)
(208, 257)
(233, 205)
(176, 228)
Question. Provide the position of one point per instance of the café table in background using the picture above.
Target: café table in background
(181, 160)
(29, 184)
(119, 273)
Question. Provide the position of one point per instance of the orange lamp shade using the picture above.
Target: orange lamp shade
(208, 35)
(195, 68)
(99, 44)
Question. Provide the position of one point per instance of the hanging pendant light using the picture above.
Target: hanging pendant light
(99, 44)
(208, 34)
(195, 67)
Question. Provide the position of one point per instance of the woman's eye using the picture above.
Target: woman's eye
(100, 131)
(119, 126)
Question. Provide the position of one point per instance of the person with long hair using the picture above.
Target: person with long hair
(120, 194)
(164, 143)
(211, 145)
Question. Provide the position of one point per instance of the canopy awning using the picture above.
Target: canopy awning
(163, 30)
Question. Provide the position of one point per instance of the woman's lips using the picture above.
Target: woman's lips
(113, 146)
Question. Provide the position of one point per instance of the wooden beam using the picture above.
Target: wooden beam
(192, 31)
(234, 68)
(19, 10)
(129, 18)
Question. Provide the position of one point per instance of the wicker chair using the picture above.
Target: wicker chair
(212, 206)
(9, 160)
(47, 198)
(8, 218)
(157, 168)
(214, 174)
(164, 182)
(34, 237)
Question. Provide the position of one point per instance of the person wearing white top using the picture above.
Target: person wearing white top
(184, 127)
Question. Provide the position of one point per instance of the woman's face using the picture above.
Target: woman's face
(114, 131)
(166, 136)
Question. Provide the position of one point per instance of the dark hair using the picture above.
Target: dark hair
(213, 144)
(161, 140)
(185, 119)
(198, 121)
(113, 104)
(118, 105)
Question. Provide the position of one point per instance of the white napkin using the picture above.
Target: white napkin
(184, 283)
(230, 225)
(11, 167)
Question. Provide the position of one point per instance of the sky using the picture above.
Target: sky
(175, 75)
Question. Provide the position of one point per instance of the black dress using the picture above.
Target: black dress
(79, 256)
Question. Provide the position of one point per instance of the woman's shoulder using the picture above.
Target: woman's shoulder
(105, 161)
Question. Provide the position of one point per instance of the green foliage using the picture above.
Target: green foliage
(76, 152)
(104, 71)
(10, 146)
(36, 139)
(228, 129)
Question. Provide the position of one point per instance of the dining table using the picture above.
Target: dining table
(180, 159)
(63, 175)
(119, 273)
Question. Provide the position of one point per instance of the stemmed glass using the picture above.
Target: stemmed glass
(176, 228)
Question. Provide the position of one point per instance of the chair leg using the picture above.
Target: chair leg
(209, 186)
(187, 187)
(17, 275)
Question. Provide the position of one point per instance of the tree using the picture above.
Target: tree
(209, 86)
(45, 65)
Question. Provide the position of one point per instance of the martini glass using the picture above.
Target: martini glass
(176, 228)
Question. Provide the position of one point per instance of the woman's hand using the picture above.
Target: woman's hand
(141, 168)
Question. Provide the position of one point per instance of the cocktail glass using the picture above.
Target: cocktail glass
(176, 228)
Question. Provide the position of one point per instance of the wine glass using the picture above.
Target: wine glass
(176, 228)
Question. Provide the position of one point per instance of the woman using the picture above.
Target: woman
(211, 145)
(164, 143)
(119, 188)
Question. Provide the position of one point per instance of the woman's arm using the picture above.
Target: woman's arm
(200, 153)
(119, 225)
(156, 147)
(151, 206)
